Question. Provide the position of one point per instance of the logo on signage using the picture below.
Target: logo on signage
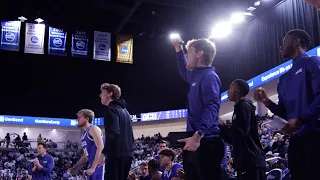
(318, 52)
(80, 44)
(57, 42)
(102, 47)
(149, 116)
(34, 39)
(73, 122)
(13, 119)
(40, 121)
(1, 118)
(10, 37)
(124, 49)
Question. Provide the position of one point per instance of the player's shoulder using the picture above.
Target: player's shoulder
(94, 128)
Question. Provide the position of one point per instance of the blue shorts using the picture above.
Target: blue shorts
(98, 174)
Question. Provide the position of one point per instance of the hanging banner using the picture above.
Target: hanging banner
(80, 41)
(101, 47)
(57, 41)
(10, 35)
(34, 38)
(124, 49)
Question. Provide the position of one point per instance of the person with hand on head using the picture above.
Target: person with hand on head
(204, 150)
(249, 159)
(299, 102)
(42, 165)
(92, 145)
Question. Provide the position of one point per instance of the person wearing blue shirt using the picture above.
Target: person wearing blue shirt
(161, 145)
(204, 150)
(41, 167)
(167, 161)
(299, 104)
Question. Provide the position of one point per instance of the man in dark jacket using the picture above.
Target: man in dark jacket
(119, 135)
(249, 159)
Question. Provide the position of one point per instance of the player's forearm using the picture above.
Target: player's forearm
(97, 157)
(81, 162)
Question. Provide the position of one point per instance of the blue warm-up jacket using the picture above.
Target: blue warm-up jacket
(203, 98)
(299, 93)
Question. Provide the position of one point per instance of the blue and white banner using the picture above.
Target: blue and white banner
(43, 121)
(57, 41)
(162, 115)
(34, 40)
(10, 35)
(101, 47)
(80, 41)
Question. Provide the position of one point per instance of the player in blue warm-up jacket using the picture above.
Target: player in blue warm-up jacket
(299, 103)
(204, 150)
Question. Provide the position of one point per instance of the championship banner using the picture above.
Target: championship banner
(79, 45)
(57, 41)
(34, 40)
(101, 47)
(124, 49)
(10, 35)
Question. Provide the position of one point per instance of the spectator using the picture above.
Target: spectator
(25, 137)
(8, 139)
(171, 169)
(39, 139)
(144, 172)
(153, 167)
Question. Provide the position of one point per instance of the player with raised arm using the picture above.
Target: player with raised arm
(92, 144)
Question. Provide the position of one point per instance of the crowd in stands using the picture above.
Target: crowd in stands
(14, 161)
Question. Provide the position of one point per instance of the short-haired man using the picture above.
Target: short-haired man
(204, 150)
(92, 145)
(119, 133)
(161, 145)
(167, 157)
(42, 165)
(144, 170)
(299, 102)
(249, 158)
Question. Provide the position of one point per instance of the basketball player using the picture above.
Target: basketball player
(92, 144)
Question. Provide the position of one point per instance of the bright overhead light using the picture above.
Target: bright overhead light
(174, 36)
(257, 3)
(39, 20)
(236, 18)
(251, 8)
(221, 30)
(247, 14)
(22, 18)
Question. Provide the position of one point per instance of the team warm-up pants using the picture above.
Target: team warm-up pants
(205, 163)
(304, 156)
(118, 168)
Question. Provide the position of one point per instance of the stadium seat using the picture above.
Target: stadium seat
(275, 174)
